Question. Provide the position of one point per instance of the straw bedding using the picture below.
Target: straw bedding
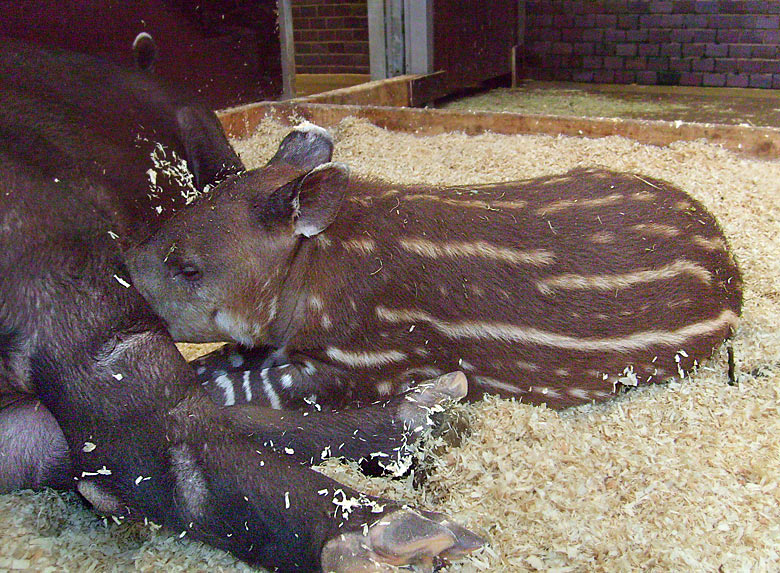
(680, 477)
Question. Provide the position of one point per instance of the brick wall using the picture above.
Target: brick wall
(687, 42)
(331, 37)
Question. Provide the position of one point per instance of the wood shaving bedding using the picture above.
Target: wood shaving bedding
(682, 477)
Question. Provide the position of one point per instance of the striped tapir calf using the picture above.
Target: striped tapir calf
(94, 395)
(554, 290)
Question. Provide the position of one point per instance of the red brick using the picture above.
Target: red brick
(561, 48)
(603, 76)
(584, 48)
(627, 21)
(658, 64)
(682, 36)
(671, 49)
(606, 20)
(737, 80)
(583, 77)
(592, 35)
(649, 49)
(636, 35)
(761, 51)
(707, 7)
(623, 77)
(614, 35)
(690, 79)
(728, 36)
(760, 81)
(695, 20)
(765, 21)
(592, 62)
(571, 35)
(693, 50)
(679, 64)
(703, 65)
(665, 7)
(740, 51)
(714, 80)
(716, 50)
(635, 64)
(646, 78)
(626, 50)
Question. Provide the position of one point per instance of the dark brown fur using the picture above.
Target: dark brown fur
(94, 394)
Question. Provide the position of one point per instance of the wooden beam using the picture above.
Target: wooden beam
(377, 44)
(288, 48)
(761, 142)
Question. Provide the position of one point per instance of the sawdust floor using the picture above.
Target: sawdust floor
(732, 106)
(681, 477)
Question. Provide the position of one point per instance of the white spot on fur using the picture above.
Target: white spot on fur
(286, 380)
(384, 388)
(578, 393)
(611, 282)
(483, 249)
(497, 385)
(234, 327)
(546, 391)
(361, 245)
(656, 229)
(247, 386)
(190, 484)
(236, 360)
(224, 382)
(315, 302)
(423, 372)
(564, 204)
(710, 244)
(511, 333)
(269, 391)
(474, 203)
(365, 359)
(602, 238)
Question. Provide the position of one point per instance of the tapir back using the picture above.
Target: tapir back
(551, 290)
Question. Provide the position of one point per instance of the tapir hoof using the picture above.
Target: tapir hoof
(429, 397)
(423, 408)
(404, 537)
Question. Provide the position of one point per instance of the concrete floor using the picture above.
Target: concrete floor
(731, 106)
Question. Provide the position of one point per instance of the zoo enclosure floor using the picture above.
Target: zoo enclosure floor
(730, 106)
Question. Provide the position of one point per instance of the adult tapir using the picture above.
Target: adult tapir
(94, 394)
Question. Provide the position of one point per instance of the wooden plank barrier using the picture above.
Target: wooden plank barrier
(763, 142)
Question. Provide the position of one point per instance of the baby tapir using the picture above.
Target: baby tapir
(94, 394)
(552, 290)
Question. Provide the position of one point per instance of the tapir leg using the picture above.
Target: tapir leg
(146, 446)
(146, 442)
(237, 375)
(383, 434)
(33, 450)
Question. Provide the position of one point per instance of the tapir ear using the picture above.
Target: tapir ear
(304, 148)
(209, 155)
(144, 52)
(320, 195)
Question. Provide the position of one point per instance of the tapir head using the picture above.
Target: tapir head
(215, 270)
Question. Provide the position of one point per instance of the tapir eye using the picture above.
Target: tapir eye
(191, 272)
(188, 271)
